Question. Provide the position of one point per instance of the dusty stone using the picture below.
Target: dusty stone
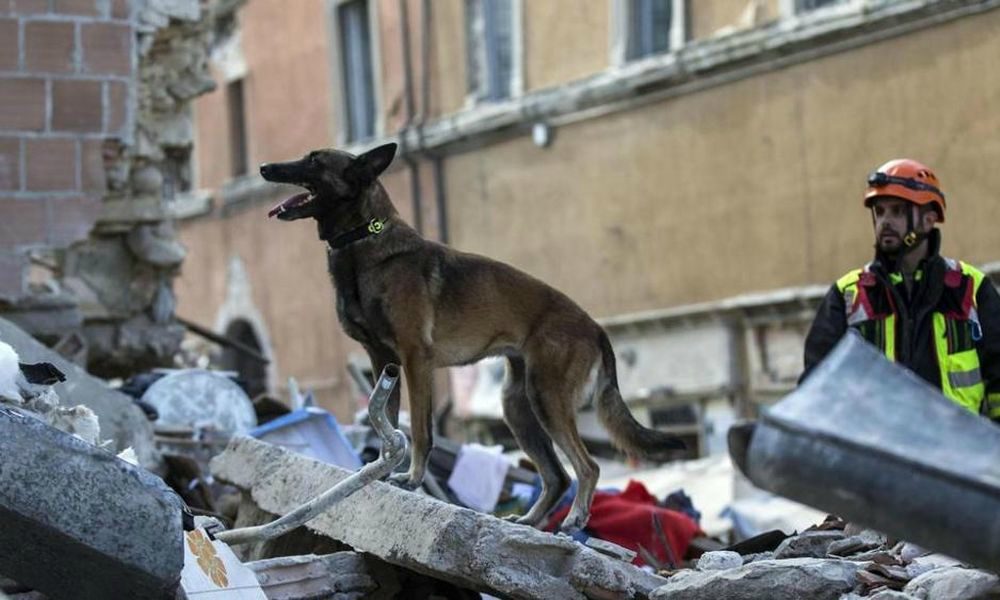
(757, 556)
(790, 579)
(156, 244)
(868, 539)
(954, 583)
(612, 550)
(891, 595)
(717, 561)
(71, 511)
(814, 544)
(120, 419)
(466, 548)
(923, 564)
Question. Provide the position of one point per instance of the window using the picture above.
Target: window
(648, 28)
(807, 5)
(489, 35)
(237, 128)
(356, 70)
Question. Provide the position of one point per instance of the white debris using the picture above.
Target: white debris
(9, 371)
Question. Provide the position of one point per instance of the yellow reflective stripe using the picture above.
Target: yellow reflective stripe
(961, 381)
(848, 280)
(889, 336)
(993, 405)
(976, 275)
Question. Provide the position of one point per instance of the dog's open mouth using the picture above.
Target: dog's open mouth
(296, 201)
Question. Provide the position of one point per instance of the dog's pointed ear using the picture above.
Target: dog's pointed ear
(367, 167)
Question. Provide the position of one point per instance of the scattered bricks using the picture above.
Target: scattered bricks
(71, 219)
(117, 107)
(22, 222)
(51, 164)
(48, 46)
(9, 51)
(92, 178)
(13, 266)
(77, 106)
(29, 7)
(86, 8)
(10, 163)
(22, 104)
(107, 48)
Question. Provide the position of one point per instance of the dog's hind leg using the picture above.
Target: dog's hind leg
(419, 375)
(554, 387)
(535, 442)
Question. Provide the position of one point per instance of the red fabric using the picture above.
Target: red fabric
(626, 519)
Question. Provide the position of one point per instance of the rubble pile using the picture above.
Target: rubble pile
(833, 561)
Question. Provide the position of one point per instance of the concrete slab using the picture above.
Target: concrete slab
(77, 522)
(120, 419)
(458, 545)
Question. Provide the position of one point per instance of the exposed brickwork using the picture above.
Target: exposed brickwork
(49, 46)
(77, 106)
(12, 269)
(92, 179)
(10, 163)
(87, 8)
(117, 107)
(65, 68)
(71, 219)
(22, 104)
(22, 221)
(107, 48)
(9, 45)
(120, 9)
(51, 164)
(29, 7)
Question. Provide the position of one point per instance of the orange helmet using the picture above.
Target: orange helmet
(906, 179)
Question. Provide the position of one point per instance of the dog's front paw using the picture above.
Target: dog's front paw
(403, 481)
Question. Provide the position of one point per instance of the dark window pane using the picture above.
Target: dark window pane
(804, 5)
(237, 128)
(648, 28)
(355, 52)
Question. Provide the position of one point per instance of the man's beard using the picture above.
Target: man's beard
(890, 246)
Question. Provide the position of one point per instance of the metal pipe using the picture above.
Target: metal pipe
(393, 452)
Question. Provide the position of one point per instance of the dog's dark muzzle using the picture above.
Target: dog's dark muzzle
(286, 172)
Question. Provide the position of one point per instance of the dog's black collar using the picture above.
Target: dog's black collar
(373, 227)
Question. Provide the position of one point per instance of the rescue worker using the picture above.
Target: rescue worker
(937, 316)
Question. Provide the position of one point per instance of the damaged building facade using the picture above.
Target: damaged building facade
(690, 172)
(95, 143)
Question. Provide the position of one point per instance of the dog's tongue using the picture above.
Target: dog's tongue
(292, 202)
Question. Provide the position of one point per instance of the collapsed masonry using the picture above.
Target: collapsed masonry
(109, 302)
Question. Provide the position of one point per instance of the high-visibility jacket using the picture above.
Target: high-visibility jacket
(947, 329)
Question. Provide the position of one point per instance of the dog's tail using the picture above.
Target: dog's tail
(626, 433)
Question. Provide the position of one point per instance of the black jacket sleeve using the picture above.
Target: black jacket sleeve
(988, 306)
(826, 330)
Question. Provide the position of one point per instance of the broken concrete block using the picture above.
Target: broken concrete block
(790, 579)
(719, 560)
(80, 523)
(339, 576)
(458, 545)
(609, 549)
(811, 544)
(120, 419)
(954, 583)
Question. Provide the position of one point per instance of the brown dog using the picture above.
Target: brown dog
(424, 305)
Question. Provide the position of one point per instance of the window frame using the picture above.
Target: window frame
(515, 85)
(339, 98)
(621, 19)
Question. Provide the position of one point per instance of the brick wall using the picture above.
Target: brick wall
(66, 83)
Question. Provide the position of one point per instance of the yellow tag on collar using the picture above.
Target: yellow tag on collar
(375, 226)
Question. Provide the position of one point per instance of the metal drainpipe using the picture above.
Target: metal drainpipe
(411, 163)
(393, 453)
(437, 162)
